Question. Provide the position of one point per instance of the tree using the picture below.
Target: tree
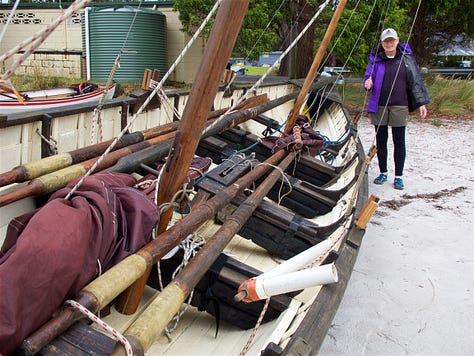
(436, 22)
(297, 16)
(254, 37)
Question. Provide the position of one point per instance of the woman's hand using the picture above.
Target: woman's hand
(368, 83)
(423, 112)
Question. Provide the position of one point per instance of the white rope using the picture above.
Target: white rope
(270, 69)
(116, 334)
(10, 16)
(37, 39)
(147, 101)
(96, 117)
(165, 100)
(284, 179)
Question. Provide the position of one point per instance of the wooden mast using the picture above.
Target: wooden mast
(313, 71)
(218, 49)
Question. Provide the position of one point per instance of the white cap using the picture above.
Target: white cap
(388, 33)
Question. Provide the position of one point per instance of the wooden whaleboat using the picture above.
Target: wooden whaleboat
(55, 98)
(259, 229)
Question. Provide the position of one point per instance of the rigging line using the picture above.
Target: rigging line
(98, 110)
(354, 47)
(380, 26)
(293, 26)
(131, 26)
(340, 35)
(262, 78)
(266, 28)
(367, 160)
(37, 39)
(10, 16)
(321, 102)
(145, 103)
(48, 29)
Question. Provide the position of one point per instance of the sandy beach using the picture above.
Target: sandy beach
(412, 288)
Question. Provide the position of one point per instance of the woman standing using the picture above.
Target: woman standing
(396, 88)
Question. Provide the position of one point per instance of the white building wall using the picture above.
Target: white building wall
(60, 54)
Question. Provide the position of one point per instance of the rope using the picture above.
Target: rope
(165, 100)
(10, 16)
(396, 74)
(368, 159)
(53, 144)
(270, 69)
(255, 329)
(190, 246)
(98, 109)
(116, 334)
(96, 116)
(266, 28)
(284, 180)
(352, 50)
(146, 102)
(37, 39)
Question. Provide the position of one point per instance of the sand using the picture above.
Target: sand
(412, 288)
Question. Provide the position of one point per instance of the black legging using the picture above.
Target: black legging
(399, 154)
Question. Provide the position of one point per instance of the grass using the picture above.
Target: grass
(30, 82)
(249, 70)
(450, 98)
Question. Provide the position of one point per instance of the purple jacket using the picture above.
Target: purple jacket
(417, 93)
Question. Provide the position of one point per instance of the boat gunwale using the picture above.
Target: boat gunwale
(312, 331)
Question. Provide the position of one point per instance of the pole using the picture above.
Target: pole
(316, 63)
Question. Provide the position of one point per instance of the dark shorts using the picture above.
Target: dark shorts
(395, 116)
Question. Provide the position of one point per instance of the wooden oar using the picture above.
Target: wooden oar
(51, 182)
(127, 159)
(149, 326)
(103, 290)
(132, 162)
(35, 169)
(316, 63)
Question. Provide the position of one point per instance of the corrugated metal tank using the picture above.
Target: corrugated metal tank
(138, 35)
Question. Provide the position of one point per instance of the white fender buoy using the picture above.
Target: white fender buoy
(264, 287)
(300, 260)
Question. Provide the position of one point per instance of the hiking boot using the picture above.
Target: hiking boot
(381, 179)
(398, 184)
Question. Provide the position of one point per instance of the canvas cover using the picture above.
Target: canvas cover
(50, 254)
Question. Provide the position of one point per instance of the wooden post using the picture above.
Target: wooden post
(366, 212)
(316, 63)
(146, 79)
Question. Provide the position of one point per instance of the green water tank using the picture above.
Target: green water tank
(137, 35)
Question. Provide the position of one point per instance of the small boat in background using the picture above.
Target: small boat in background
(53, 98)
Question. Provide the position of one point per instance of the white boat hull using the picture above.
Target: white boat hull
(51, 99)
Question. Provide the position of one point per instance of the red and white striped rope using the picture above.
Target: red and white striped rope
(255, 329)
(38, 38)
(118, 336)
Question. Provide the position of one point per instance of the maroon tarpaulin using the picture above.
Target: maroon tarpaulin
(312, 142)
(52, 253)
